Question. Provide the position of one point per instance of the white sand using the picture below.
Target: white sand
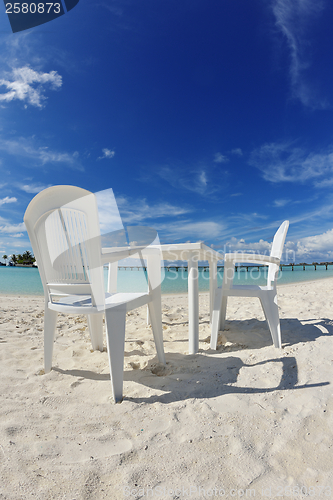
(247, 416)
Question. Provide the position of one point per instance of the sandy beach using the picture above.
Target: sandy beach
(245, 421)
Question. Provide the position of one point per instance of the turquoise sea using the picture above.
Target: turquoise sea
(26, 281)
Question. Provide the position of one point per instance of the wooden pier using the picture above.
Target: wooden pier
(237, 268)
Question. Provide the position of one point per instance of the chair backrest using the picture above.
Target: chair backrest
(63, 227)
(276, 251)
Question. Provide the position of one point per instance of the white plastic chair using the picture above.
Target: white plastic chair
(267, 294)
(63, 227)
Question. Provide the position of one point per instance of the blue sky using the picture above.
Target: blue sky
(211, 120)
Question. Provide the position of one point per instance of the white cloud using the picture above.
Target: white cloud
(107, 153)
(240, 245)
(219, 158)
(282, 162)
(27, 85)
(308, 249)
(237, 152)
(47, 156)
(12, 228)
(313, 248)
(7, 200)
(292, 18)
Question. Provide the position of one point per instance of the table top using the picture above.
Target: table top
(174, 251)
(182, 251)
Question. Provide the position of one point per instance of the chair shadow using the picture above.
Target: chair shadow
(83, 374)
(225, 372)
(196, 383)
(255, 334)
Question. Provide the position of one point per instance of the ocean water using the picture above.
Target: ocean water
(26, 281)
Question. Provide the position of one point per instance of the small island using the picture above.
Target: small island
(26, 259)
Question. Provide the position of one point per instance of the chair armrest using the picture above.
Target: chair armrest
(153, 255)
(115, 254)
(251, 258)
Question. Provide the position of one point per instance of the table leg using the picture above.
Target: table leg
(212, 285)
(112, 277)
(193, 304)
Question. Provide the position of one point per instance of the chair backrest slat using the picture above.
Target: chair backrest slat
(276, 251)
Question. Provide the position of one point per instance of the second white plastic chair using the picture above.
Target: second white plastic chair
(267, 294)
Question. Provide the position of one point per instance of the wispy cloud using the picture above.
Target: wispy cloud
(191, 179)
(112, 8)
(27, 85)
(292, 19)
(283, 162)
(203, 179)
(136, 211)
(237, 152)
(187, 229)
(280, 203)
(33, 188)
(324, 183)
(42, 155)
(107, 153)
(139, 210)
(220, 158)
(108, 212)
(7, 200)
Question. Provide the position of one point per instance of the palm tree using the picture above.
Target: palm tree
(14, 259)
(5, 258)
(28, 257)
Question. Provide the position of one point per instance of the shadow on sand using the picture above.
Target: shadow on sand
(207, 376)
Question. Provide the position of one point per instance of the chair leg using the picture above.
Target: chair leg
(50, 320)
(271, 310)
(215, 318)
(95, 324)
(155, 313)
(115, 340)
(223, 311)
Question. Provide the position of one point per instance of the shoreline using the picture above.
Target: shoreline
(180, 294)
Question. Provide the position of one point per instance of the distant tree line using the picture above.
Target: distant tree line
(26, 258)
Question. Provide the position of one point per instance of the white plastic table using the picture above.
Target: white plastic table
(190, 252)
